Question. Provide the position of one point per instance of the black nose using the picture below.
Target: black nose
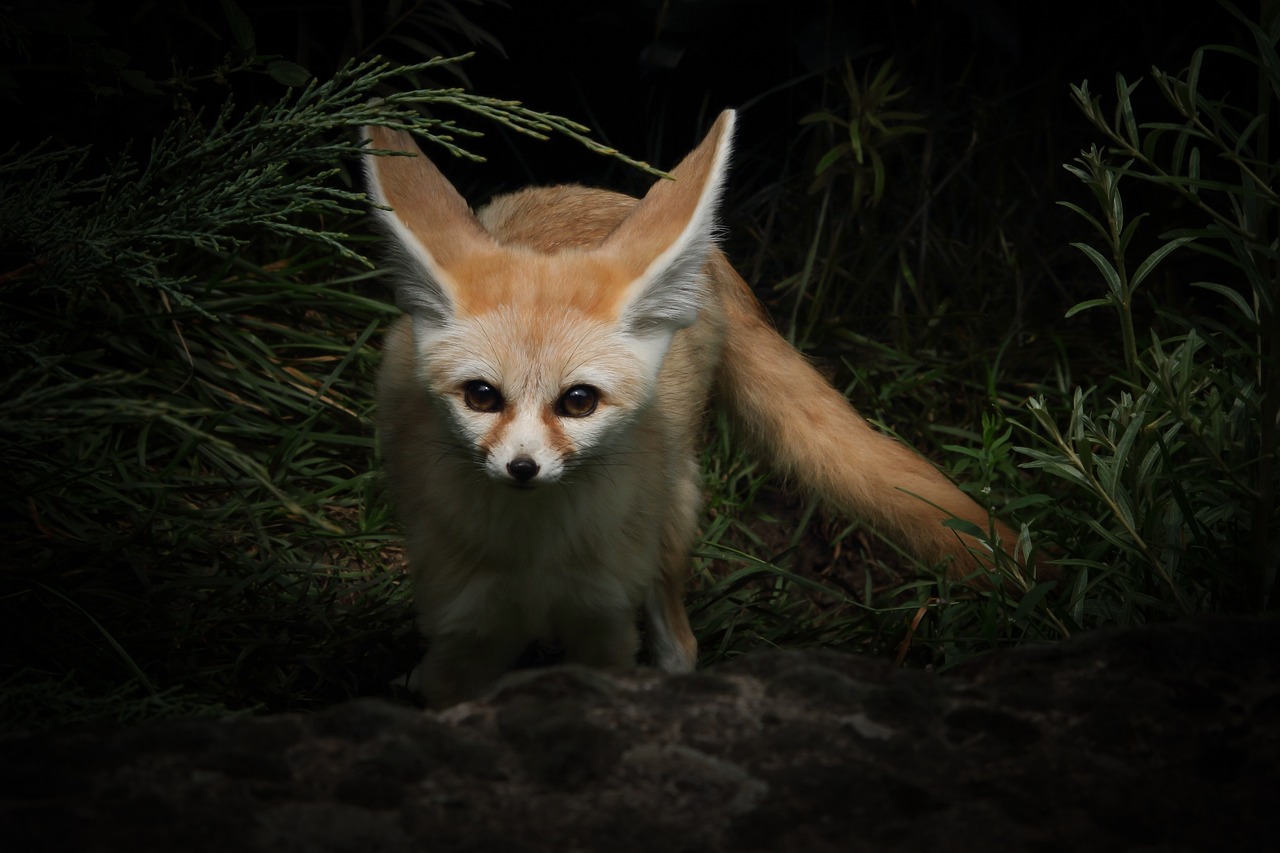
(522, 468)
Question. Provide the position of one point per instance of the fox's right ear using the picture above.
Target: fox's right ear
(429, 223)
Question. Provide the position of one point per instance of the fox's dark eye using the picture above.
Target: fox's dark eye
(578, 402)
(481, 396)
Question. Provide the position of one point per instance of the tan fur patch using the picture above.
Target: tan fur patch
(551, 219)
(503, 419)
(557, 438)
(538, 284)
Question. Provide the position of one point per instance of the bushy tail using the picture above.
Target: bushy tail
(808, 431)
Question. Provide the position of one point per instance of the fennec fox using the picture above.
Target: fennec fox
(540, 404)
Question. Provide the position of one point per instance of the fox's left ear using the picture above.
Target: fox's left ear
(430, 225)
(663, 244)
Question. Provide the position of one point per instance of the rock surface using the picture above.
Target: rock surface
(1163, 738)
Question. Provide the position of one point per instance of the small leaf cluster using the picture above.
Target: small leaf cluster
(865, 134)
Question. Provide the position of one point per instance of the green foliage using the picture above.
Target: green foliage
(908, 237)
(1170, 461)
(255, 172)
(857, 151)
(869, 129)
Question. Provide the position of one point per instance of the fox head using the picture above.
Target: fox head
(542, 360)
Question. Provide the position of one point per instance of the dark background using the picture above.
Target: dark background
(647, 76)
(650, 75)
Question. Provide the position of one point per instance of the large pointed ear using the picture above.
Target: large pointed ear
(430, 226)
(665, 241)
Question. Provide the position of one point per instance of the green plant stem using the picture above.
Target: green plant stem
(1124, 290)
(1128, 335)
(807, 274)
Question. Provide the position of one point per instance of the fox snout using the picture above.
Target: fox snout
(523, 452)
(523, 469)
(519, 467)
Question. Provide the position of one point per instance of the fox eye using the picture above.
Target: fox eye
(481, 396)
(578, 402)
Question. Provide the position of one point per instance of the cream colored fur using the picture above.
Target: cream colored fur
(562, 288)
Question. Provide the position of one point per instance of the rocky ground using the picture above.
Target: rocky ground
(1164, 738)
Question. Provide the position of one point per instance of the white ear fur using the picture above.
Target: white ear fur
(675, 228)
(428, 222)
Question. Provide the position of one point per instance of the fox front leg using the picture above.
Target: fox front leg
(459, 666)
(607, 639)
